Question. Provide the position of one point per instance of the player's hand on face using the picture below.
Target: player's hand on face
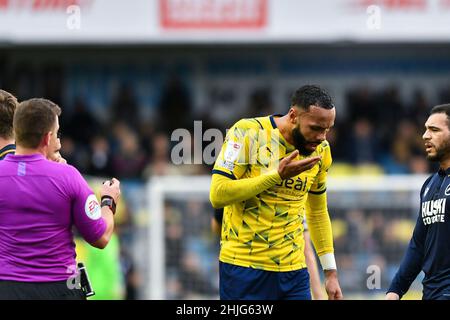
(56, 157)
(289, 167)
(332, 285)
(61, 160)
(111, 188)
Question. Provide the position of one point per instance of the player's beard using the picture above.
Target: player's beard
(300, 141)
(441, 153)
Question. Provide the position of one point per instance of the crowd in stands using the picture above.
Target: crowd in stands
(380, 130)
(378, 127)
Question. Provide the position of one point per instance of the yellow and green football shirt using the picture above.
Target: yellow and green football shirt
(266, 231)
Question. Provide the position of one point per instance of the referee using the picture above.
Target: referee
(8, 105)
(40, 201)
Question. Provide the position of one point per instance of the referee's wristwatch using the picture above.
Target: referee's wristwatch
(108, 201)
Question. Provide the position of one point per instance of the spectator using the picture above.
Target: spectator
(125, 107)
(100, 163)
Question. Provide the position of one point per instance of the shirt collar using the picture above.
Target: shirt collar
(272, 120)
(8, 149)
(28, 157)
(444, 172)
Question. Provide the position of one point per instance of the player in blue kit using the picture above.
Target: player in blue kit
(429, 248)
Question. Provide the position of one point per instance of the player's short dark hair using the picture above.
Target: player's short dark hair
(8, 105)
(442, 108)
(311, 95)
(33, 119)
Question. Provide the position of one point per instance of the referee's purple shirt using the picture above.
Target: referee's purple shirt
(40, 201)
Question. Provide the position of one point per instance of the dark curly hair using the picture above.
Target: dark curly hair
(311, 95)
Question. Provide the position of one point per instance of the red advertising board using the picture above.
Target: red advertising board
(41, 5)
(213, 14)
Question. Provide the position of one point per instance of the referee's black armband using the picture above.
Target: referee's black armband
(108, 201)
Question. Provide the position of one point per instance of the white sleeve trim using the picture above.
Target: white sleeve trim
(328, 261)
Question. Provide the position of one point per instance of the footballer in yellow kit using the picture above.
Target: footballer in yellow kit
(270, 172)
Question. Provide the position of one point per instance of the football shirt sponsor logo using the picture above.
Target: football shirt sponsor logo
(433, 211)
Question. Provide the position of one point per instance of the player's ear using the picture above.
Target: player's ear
(293, 113)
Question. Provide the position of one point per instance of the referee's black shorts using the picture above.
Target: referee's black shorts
(14, 290)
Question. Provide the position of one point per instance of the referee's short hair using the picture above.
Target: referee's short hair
(33, 119)
(8, 105)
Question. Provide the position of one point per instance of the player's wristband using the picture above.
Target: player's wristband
(108, 201)
(328, 262)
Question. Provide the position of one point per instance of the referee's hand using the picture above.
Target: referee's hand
(111, 188)
(289, 168)
(56, 157)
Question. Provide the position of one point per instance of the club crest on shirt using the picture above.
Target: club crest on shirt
(447, 190)
(92, 207)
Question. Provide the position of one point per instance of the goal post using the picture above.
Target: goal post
(159, 190)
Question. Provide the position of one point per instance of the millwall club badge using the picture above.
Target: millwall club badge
(447, 190)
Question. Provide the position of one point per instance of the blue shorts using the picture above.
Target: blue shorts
(240, 283)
